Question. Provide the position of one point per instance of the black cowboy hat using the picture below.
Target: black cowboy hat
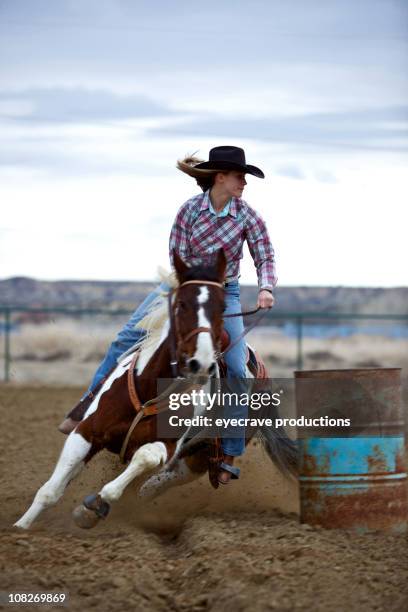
(229, 158)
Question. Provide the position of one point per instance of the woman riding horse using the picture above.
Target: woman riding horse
(217, 218)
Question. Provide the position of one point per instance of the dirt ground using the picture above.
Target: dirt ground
(239, 548)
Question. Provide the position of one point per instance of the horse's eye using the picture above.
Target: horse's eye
(181, 307)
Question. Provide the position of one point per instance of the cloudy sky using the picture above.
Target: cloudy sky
(98, 99)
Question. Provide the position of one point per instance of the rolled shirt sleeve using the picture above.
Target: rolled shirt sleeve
(179, 235)
(261, 250)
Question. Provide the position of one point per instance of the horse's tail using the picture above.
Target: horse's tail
(281, 449)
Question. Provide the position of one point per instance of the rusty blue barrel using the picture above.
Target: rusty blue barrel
(352, 450)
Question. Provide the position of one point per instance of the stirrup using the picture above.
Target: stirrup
(234, 471)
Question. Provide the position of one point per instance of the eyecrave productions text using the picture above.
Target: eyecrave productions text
(225, 423)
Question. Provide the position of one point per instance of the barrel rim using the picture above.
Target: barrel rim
(301, 373)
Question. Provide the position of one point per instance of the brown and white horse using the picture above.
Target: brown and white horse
(197, 315)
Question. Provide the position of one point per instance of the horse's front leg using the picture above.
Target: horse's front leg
(95, 507)
(70, 463)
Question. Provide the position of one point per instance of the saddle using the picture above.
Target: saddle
(257, 369)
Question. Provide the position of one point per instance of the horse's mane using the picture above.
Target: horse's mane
(156, 318)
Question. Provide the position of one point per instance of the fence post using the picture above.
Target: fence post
(6, 344)
(299, 331)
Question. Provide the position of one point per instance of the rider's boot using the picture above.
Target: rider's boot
(76, 415)
(227, 470)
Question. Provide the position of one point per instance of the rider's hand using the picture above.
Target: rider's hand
(265, 299)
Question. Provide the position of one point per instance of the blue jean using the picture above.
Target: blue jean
(236, 371)
(126, 338)
(235, 358)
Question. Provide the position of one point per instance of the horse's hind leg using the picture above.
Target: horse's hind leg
(69, 464)
(94, 507)
(180, 474)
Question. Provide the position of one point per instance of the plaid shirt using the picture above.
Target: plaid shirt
(197, 234)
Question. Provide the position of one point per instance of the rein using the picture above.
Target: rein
(247, 329)
(152, 406)
(197, 330)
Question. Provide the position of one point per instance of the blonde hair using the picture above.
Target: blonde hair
(205, 178)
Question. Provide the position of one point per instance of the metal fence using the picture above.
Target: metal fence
(297, 319)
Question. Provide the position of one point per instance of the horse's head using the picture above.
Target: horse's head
(198, 309)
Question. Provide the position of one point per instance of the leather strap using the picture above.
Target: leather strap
(202, 282)
(244, 333)
(140, 410)
(151, 406)
(131, 383)
(135, 421)
(244, 313)
(195, 331)
(156, 405)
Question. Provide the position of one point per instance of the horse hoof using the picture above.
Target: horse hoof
(97, 504)
(85, 518)
(88, 514)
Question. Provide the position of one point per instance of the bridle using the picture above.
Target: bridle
(177, 340)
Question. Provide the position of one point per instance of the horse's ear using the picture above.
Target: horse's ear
(221, 264)
(179, 265)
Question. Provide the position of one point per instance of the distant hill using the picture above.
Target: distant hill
(23, 291)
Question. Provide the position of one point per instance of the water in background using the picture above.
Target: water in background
(389, 329)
